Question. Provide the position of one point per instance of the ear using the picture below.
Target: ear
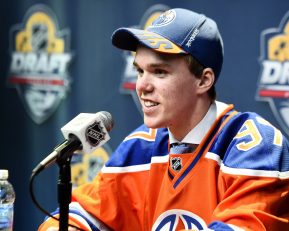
(206, 81)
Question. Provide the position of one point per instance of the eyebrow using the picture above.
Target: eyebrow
(153, 65)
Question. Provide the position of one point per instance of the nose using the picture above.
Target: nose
(144, 84)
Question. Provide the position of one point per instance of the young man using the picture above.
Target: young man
(196, 164)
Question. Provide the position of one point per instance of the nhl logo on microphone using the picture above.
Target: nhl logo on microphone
(95, 134)
(89, 128)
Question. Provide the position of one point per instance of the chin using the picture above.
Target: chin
(153, 123)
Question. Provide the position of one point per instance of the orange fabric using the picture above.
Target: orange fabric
(137, 204)
(139, 200)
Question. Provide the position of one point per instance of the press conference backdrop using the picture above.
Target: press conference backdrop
(56, 61)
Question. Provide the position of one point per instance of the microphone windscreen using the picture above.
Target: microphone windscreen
(107, 120)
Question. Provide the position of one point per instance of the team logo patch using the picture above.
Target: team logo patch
(164, 19)
(176, 163)
(94, 134)
(169, 220)
(40, 56)
(273, 83)
(129, 77)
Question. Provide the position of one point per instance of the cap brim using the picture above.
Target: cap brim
(130, 38)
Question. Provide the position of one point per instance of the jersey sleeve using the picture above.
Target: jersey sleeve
(254, 177)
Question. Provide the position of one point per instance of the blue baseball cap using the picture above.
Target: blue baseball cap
(177, 31)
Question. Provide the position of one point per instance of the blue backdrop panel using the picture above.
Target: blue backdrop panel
(96, 70)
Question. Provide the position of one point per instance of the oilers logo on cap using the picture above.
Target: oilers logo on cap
(177, 31)
(164, 19)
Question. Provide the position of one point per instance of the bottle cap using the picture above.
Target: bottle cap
(3, 174)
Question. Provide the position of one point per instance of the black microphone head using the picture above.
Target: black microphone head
(107, 120)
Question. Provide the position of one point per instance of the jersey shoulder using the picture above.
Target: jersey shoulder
(249, 141)
(139, 146)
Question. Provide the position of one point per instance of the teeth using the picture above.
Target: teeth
(149, 103)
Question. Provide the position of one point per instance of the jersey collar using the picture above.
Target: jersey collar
(199, 131)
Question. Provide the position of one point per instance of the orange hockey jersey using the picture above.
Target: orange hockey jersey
(237, 179)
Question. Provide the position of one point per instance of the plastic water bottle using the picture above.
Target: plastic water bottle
(7, 198)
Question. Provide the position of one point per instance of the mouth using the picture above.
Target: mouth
(149, 103)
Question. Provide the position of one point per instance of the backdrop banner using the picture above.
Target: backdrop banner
(57, 60)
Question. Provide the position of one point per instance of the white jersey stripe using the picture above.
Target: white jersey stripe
(246, 172)
(235, 228)
(213, 156)
(136, 168)
(253, 172)
(133, 168)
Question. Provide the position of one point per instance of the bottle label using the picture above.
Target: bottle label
(6, 217)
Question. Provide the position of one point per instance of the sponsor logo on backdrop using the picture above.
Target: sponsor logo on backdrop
(130, 75)
(273, 85)
(40, 56)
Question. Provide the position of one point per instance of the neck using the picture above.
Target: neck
(183, 128)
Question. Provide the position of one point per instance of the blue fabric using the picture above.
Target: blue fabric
(194, 33)
(179, 148)
(139, 151)
(220, 226)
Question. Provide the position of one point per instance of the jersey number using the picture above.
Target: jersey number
(249, 129)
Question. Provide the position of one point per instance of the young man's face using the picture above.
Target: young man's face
(166, 89)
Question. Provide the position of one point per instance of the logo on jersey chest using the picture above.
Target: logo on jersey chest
(170, 219)
(273, 84)
(176, 163)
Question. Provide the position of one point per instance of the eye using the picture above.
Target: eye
(160, 72)
(139, 71)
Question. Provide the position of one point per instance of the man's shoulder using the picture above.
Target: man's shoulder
(139, 146)
(249, 141)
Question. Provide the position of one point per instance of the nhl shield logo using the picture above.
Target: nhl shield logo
(273, 83)
(94, 134)
(129, 77)
(176, 163)
(39, 62)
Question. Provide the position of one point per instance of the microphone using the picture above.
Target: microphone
(86, 132)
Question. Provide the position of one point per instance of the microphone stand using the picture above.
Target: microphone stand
(65, 152)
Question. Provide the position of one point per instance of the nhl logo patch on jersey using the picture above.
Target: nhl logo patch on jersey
(176, 163)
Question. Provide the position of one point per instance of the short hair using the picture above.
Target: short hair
(197, 69)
